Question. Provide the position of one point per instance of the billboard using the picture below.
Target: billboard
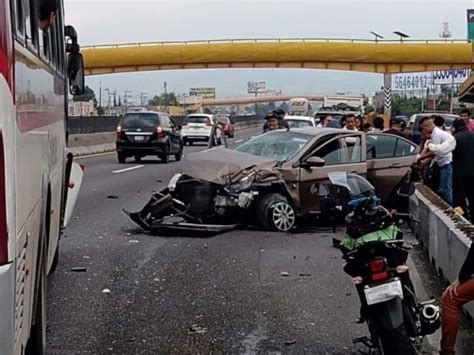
(412, 81)
(254, 87)
(447, 77)
(206, 93)
(470, 24)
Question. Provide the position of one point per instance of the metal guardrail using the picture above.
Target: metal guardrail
(98, 124)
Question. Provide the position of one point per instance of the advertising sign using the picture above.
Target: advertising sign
(256, 86)
(470, 24)
(412, 81)
(206, 93)
(446, 77)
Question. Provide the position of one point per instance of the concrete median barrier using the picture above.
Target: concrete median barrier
(442, 233)
(97, 143)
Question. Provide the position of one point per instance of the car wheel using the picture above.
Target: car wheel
(274, 212)
(185, 141)
(121, 158)
(231, 135)
(138, 158)
(180, 153)
(165, 157)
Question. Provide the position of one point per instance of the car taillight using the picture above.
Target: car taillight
(119, 130)
(184, 124)
(6, 47)
(209, 124)
(378, 269)
(160, 132)
(3, 208)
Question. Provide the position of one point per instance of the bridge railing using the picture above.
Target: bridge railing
(282, 40)
(98, 124)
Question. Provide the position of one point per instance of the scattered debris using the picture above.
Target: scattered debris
(290, 342)
(305, 275)
(129, 234)
(205, 246)
(133, 241)
(112, 197)
(284, 273)
(105, 290)
(86, 257)
(262, 250)
(159, 180)
(79, 269)
(196, 329)
(76, 218)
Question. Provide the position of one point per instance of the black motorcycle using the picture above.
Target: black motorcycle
(376, 256)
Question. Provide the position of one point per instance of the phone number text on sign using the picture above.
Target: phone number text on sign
(415, 81)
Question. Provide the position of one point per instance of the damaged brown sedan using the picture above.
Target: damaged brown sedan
(272, 180)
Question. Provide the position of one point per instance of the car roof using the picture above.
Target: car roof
(146, 112)
(299, 118)
(200, 115)
(315, 131)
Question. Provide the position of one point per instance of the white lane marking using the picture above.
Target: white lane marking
(128, 169)
(240, 140)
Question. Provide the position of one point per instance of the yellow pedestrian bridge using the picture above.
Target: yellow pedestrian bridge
(355, 55)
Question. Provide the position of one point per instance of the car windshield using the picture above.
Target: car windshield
(223, 120)
(140, 120)
(277, 145)
(197, 119)
(299, 123)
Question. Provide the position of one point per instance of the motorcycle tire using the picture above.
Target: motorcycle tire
(396, 342)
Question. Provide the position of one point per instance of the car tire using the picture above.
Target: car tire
(179, 155)
(121, 158)
(138, 158)
(165, 157)
(231, 135)
(274, 212)
(185, 141)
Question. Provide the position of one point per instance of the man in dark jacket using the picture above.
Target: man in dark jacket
(456, 295)
(463, 168)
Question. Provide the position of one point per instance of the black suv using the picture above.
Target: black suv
(148, 133)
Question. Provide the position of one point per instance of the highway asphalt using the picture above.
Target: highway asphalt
(242, 292)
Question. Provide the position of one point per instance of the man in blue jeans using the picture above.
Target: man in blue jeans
(439, 147)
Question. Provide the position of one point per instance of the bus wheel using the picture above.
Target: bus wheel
(37, 342)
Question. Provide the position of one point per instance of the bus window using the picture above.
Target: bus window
(33, 23)
(19, 18)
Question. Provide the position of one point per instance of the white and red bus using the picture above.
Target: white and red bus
(35, 168)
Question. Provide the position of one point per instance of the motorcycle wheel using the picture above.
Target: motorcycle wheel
(396, 342)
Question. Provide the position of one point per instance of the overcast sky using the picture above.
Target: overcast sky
(112, 22)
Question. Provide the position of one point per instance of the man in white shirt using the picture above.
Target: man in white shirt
(443, 158)
(350, 122)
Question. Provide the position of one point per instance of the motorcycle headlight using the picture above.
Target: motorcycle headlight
(241, 185)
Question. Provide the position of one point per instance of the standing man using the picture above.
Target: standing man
(443, 157)
(280, 114)
(325, 120)
(271, 123)
(350, 120)
(396, 127)
(460, 292)
(466, 116)
(463, 169)
(378, 125)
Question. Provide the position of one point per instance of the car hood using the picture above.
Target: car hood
(226, 166)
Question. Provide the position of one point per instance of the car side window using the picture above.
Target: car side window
(381, 146)
(404, 148)
(165, 121)
(352, 149)
(330, 152)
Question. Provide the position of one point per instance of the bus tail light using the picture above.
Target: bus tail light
(6, 50)
(3, 207)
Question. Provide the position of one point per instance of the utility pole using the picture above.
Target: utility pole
(100, 93)
(165, 86)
